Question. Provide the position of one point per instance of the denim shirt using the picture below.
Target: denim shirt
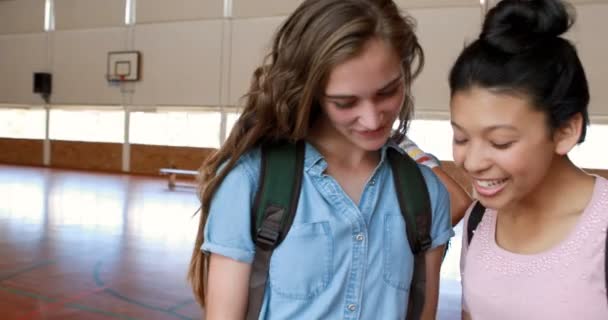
(339, 260)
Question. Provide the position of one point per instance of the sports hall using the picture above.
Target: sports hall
(108, 106)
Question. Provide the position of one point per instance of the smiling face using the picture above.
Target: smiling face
(363, 97)
(502, 143)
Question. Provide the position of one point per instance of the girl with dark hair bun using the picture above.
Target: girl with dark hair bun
(519, 99)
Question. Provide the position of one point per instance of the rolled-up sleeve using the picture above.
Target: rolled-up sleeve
(227, 231)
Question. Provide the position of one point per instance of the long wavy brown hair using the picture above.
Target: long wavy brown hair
(284, 95)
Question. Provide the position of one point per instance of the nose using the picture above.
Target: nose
(476, 158)
(371, 116)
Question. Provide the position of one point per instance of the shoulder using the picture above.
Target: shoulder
(601, 186)
(241, 180)
(433, 184)
(248, 166)
(598, 204)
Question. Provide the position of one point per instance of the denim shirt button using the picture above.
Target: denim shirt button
(360, 237)
(351, 307)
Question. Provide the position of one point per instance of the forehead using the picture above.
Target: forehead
(376, 65)
(479, 108)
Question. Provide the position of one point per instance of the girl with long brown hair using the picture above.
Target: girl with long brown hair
(338, 77)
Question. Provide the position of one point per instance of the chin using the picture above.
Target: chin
(494, 203)
(372, 145)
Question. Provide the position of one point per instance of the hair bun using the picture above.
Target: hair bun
(514, 26)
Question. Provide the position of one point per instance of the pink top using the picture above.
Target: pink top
(566, 282)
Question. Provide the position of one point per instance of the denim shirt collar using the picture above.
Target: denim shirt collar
(315, 164)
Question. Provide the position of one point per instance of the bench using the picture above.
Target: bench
(173, 173)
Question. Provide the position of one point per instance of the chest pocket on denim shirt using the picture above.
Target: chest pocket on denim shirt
(397, 256)
(302, 265)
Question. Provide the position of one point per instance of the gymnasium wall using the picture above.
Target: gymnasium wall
(201, 54)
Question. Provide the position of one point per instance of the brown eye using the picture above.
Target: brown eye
(502, 146)
(343, 105)
(459, 141)
(388, 93)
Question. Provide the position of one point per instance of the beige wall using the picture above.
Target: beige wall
(87, 14)
(20, 57)
(170, 10)
(266, 8)
(442, 34)
(186, 63)
(79, 66)
(193, 55)
(21, 16)
(251, 40)
(589, 35)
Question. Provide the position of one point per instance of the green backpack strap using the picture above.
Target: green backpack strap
(415, 205)
(273, 211)
(474, 219)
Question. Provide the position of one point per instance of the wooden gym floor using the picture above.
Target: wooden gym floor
(81, 245)
(77, 245)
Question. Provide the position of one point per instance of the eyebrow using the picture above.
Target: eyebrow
(488, 129)
(346, 96)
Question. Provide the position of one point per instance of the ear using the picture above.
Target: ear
(567, 136)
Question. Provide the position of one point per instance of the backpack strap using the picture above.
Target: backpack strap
(474, 219)
(273, 211)
(415, 205)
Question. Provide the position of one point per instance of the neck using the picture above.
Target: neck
(566, 189)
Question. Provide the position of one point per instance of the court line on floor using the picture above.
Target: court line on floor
(181, 304)
(172, 311)
(169, 311)
(17, 272)
(37, 296)
(58, 302)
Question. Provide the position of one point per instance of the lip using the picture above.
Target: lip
(489, 191)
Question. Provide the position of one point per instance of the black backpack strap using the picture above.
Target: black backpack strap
(273, 211)
(474, 220)
(415, 205)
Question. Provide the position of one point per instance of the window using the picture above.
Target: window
(84, 124)
(22, 123)
(130, 12)
(231, 118)
(592, 154)
(49, 15)
(435, 136)
(188, 128)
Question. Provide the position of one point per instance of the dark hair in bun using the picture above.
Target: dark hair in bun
(515, 26)
(520, 50)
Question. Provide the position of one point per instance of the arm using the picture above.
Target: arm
(432, 260)
(459, 199)
(228, 242)
(465, 315)
(228, 288)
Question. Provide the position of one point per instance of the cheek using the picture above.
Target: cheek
(396, 102)
(340, 117)
(526, 163)
(458, 152)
